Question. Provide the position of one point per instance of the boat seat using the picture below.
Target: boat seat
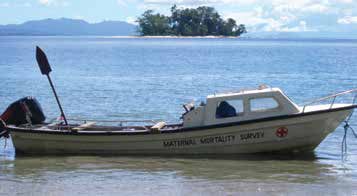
(225, 110)
(84, 126)
(158, 126)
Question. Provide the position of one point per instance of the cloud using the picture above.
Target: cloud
(316, 8)
(131, 20)
(296, 15)
(5, 4)
(280, 15)
(302, 27)
(45, 2)
(122, 2)
(257, 22)
(348, 20)
(198, 2)
(59, 3)
(345, 1)
(27, 4)
(78, 17)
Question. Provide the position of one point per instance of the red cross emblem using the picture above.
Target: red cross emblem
(281, 132)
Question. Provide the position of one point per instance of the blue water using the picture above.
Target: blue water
(124, 78)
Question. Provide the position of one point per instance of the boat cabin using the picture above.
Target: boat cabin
(239, 106)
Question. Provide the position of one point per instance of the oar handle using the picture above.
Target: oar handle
(58, 102)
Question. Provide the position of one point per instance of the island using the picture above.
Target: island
(200, 21)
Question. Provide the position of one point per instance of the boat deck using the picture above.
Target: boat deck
(100, 128)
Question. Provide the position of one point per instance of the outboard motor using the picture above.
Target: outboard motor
(23, 111)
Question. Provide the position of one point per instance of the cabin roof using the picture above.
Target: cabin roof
(243, 92)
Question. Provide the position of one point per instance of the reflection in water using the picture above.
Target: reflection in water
(133, 173)
(215, 169)
(302, 174)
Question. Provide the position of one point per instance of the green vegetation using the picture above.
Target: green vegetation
(202, 21)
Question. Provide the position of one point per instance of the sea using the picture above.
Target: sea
(116, 78)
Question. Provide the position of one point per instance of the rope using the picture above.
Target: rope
(344, 142)
(3, 132)
(346, 127)
(5, 145)
(353, 103)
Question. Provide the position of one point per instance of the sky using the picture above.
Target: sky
(258, 15)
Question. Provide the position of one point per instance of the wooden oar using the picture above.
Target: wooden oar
(45, 70)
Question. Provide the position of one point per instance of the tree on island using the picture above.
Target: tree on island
(202, 21)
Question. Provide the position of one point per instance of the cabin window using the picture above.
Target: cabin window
(229, 108)
(263, 104)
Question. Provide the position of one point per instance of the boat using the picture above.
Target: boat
(261, 120)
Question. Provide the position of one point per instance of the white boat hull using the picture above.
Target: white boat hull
(298, 133)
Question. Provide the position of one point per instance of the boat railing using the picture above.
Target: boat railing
(332, 98)
(120, 122)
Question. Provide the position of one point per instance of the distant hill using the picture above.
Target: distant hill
(65, 26)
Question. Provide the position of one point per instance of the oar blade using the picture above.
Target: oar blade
(42, 61)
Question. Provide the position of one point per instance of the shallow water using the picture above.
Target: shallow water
(114, 78)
